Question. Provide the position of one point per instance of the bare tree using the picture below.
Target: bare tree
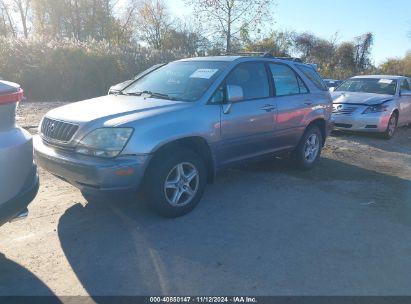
(8, 22)
(227, 18)
(154, 22)
(23, 9)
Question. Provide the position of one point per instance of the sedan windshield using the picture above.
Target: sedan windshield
(369, 85)
(183, 80)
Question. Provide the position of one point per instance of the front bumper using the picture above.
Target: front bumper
(91, 173)
(375, 122)
(12, 208)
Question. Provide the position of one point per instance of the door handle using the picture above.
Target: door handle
(308, 102)
(268, 107)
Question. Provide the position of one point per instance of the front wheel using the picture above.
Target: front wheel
(308, 150)
(392, 126)
(175, 183)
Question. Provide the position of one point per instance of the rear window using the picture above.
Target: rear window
(312, 74)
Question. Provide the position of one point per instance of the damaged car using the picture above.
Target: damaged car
(377, 103)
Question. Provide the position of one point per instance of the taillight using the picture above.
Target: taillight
(12, 97)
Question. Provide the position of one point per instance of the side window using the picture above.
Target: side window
(286, 81)
(303, 88)
(312, 74)
(252, 78)
(405, 86)
(218, 96)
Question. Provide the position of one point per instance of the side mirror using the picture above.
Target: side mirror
(405, 93)
(234, 93)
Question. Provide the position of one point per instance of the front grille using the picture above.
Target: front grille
(56, 130)
(343, 109)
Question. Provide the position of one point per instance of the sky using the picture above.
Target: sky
(389, 21)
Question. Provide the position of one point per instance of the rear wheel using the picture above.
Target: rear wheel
(392, 126)
(175, 182)
(308, 150)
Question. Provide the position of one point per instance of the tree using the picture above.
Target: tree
(363, 46)
(344, 61)
(397, 66)
(225, 19)
(23, 8)
(154, 22)
(7, 25)
(278, 43)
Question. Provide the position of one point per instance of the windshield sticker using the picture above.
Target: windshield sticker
(387, 81)
(204, 73)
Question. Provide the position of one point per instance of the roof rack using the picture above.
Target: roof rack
(295, 59)
(267, 55)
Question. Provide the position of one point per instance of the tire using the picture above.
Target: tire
(308, 151)
(392, 126)
(171, 185)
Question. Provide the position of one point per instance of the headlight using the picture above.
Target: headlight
(104, 142)
(376, 109)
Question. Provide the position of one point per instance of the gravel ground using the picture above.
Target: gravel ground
(343, 228)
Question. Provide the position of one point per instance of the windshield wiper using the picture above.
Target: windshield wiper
(152, 94)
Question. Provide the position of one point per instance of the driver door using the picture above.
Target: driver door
(247, 124)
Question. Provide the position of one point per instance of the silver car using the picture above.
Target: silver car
(171, 130)
(19, 181)
(377, 103)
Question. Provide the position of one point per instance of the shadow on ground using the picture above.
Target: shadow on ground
(401, 142)
(261, 229)
(21, 281)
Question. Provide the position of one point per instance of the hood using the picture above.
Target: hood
(110, 107)
(360, 98)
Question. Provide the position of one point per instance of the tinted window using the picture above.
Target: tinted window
(312, 74)
(303, 88)
(286, 81)
(252, 78)
(405, 85)
(182, 80)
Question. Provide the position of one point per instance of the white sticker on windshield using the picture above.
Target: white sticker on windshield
(387, 81)
(204, 73)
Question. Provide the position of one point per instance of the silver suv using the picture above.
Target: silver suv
(19, 181)
(172, 129)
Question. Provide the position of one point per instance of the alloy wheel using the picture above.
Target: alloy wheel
(181, 184)
(311, 148)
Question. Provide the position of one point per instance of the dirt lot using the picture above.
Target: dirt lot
(343, 228)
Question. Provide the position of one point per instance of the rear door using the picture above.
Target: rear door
(293, 104)
(247, 125)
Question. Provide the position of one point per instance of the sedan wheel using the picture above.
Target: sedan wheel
(392, 126)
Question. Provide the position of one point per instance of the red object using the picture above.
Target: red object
(12, 97)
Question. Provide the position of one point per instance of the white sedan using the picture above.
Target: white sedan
(372, 103)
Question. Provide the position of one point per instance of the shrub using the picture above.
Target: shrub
(72, 70)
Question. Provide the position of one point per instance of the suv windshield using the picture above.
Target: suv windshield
(183, 80)
(369, 85)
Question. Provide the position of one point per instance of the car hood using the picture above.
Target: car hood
(360, 98)
(110, 107)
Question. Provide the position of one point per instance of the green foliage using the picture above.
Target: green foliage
(72, 70)
(397, 66)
